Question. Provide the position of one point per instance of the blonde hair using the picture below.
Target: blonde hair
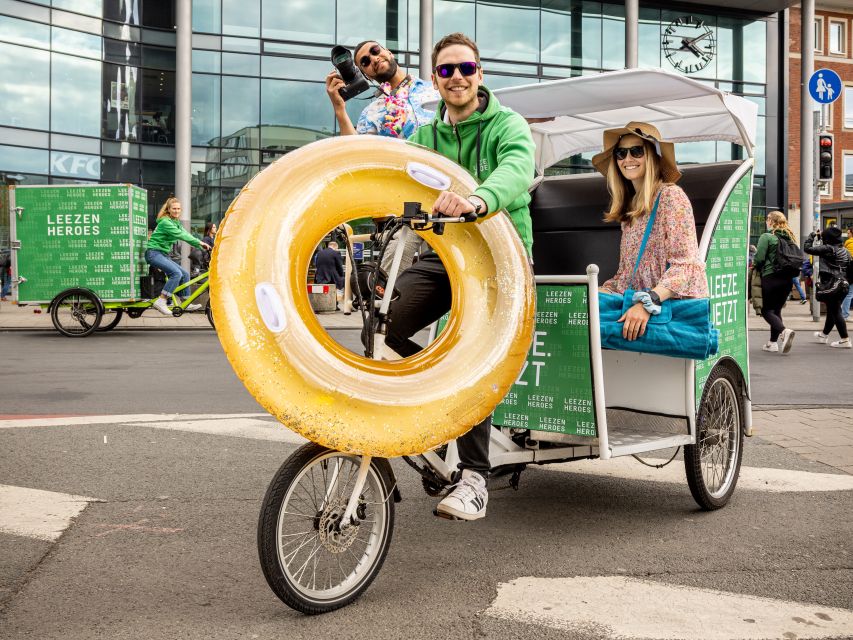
(778, 220)
(164, 210)
(621, 210)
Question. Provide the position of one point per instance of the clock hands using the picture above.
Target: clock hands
(688, 44)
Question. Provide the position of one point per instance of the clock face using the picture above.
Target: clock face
(688, 44)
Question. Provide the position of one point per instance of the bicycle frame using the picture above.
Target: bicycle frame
(176, 301)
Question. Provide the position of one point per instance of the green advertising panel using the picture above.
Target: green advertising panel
(554, 391)
(90, 236)
(726, 268)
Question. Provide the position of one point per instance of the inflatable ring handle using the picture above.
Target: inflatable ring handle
(289, 363)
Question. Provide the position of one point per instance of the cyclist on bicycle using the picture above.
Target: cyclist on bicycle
(169, 231)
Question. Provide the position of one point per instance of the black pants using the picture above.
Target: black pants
(774, 292)
(834, 318)
(424, 298)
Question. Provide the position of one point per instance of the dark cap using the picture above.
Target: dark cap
(832, 235)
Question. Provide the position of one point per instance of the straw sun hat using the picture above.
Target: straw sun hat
(665, 150)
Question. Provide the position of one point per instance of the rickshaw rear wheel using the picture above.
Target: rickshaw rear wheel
(312, 562)
(76, 313)
(713, 463)
(114, 315)
(209, 313)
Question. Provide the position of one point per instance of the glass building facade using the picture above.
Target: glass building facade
(87, 92)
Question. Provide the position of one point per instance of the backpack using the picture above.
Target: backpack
(789, 257)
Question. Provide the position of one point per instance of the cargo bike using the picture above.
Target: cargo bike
(327, 518)
(78, 252)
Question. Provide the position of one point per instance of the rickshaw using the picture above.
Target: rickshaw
(78, 254)
(327, 518)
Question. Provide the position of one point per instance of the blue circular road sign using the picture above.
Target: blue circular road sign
(825, 86)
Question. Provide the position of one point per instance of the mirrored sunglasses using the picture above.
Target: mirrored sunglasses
(465, 68)
(636, 152)
(363, 61)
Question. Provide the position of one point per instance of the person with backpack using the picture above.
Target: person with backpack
(832, 284)
(778, 259)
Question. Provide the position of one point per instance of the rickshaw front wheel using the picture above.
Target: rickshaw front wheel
(713, 463)
(313, 561)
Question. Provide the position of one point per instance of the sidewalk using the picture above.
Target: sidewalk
(795, 315)
(33, 318)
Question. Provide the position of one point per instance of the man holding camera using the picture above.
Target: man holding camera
(397, 111)
(494, 144)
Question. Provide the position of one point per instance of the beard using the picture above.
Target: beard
(390, 73)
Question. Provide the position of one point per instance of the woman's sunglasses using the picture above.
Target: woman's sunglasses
(636, 152)
(465, 68)
(373, 51)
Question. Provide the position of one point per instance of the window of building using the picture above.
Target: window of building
(240, 109)
(205, 109)
(120, 113)
(848, 174)
(241, 18)
(837, 36)
(24, 87)
(207, 16)
(818, 34)
(75, 95)
(513, 31)
(848, 107)
(304, 20)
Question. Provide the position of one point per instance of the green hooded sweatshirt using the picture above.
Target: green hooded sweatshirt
(498, 142)
(167, 233)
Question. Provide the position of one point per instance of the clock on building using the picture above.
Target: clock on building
(688, 44)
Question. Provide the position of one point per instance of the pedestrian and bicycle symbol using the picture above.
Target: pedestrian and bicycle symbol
(825, 86)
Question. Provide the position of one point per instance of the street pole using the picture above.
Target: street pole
(425, 53)
(819, 124)
(183, 116)
(808, 192)
(632, 31)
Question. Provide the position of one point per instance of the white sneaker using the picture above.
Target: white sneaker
(193, 307)
(468, 499)
(771, 346)
(842, 344)
(162, 307)
(786, 339)
(820, 337)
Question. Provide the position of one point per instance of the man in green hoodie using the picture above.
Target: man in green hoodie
(494, 144)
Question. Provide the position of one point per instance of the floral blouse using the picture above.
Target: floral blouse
(671, 258)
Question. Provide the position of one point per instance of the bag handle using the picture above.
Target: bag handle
(646, 235)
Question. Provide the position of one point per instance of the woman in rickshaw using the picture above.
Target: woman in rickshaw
(641, 174)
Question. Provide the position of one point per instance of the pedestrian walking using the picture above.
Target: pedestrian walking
(832, 286)
(775, 282)
(845, 304)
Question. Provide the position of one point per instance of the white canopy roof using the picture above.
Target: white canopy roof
(684, 110)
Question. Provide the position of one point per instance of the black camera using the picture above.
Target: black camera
(354, 80)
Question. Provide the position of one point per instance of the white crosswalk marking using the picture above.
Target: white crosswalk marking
(751, 478)
(622, 607)
(38, 514)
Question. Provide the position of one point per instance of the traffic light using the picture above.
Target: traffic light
(824, 151)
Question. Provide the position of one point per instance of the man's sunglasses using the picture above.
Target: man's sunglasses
(363, 61)
(465, 68)
(636, 152)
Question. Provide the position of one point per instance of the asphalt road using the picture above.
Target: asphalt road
(187, 372)
(169, 551)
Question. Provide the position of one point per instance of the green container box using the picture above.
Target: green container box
(90, 236)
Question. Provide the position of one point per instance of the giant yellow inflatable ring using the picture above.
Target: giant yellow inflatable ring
(289, 363)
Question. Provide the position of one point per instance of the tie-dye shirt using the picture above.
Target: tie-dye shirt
(401, 113)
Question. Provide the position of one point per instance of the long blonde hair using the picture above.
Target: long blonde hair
(164, 210)
(778, 220)
(621, 210)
